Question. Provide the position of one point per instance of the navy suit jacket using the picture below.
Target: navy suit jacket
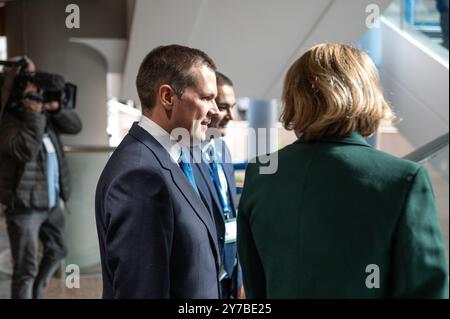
(228, 252)
(157, 238)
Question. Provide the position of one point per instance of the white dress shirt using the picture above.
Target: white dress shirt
(163, 138)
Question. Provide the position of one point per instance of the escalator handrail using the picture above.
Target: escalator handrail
(428, 150)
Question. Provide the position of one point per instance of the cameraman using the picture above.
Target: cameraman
(34, 180)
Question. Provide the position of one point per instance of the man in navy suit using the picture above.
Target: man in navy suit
(157, 238)
(215, 177)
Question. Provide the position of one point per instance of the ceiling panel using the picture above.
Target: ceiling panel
(252, 41)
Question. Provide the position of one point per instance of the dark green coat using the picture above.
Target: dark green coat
(333, 208)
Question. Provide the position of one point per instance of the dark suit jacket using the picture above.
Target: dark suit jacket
(157, 239)
(333, 208)
(228, 252)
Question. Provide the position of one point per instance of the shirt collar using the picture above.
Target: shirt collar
(164, 138)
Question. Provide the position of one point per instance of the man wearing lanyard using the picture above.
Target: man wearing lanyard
(218, 186)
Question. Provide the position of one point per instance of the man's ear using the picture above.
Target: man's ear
(166, 95)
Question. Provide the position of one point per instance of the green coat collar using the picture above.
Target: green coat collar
(353, 138)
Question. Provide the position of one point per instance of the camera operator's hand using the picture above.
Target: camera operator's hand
(29, 102)
(33, 105)
(52, 106)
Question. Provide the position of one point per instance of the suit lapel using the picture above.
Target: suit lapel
(202, 187)
(191, 196)
(178, 178)
(206, 175)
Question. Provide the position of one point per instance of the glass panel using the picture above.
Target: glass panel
(83, 249)
(422, 20)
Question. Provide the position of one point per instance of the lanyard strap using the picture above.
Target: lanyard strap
(215, 170)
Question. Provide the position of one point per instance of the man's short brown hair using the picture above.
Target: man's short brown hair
(333, 90)
(172, 65)
(222, 79)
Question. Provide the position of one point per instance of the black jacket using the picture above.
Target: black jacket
(23, 162)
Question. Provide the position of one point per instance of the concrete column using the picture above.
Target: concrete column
(262, 120)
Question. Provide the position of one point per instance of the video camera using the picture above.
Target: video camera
(53, 86)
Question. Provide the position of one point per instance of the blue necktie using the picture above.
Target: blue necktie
(187, 169)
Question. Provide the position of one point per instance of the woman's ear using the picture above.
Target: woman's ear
(166, 95)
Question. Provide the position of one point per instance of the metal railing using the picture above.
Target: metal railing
(88, 149)
(429, 150)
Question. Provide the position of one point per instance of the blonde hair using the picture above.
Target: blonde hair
(333, 90)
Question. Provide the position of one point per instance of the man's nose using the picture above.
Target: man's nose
(214, 109)
(230, 114)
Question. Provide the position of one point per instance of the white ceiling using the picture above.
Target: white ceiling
(251, 41)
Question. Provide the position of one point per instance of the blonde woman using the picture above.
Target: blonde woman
(339, 219)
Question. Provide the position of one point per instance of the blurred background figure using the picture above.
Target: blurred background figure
(339, 219)
(34, 177)
(442, 7)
